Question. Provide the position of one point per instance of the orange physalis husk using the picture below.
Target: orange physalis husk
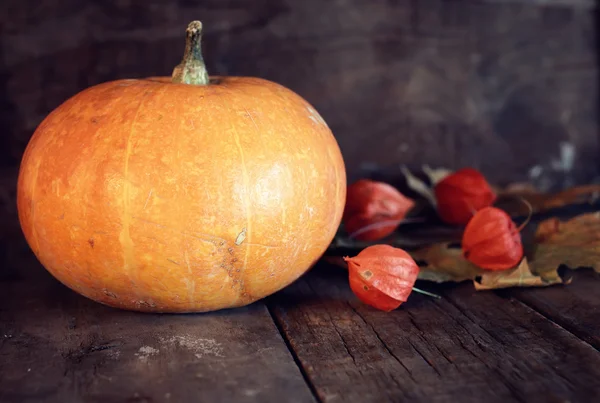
(382, 276)
(462, 193)
(492, 241)
(374, 209)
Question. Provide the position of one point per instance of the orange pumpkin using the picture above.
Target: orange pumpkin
(181, 194)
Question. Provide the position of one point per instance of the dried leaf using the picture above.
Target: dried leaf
(574, 243)
(436, 174)
(576, 195)
(442, 263)
(419, 186)
(520, 276)
(509, 198)
(519, 188)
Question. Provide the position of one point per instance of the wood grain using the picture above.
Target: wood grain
(507, 86)
(478, 346)
(498, 85)
(56, 346)
(575, 307)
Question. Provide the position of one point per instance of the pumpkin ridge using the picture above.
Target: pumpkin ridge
(33, 201)
(337, 181)
(191, 282)
(240, 278)
(126, 217)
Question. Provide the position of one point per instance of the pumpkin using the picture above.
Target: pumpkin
(187, 193)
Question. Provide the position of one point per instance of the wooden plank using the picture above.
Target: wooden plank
(56, 346)
(576, 306)
(400, 82)
(566, 3)
(468, 347)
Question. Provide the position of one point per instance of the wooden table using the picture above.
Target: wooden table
(311, 342)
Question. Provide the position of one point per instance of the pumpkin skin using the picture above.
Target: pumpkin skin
(154, 196)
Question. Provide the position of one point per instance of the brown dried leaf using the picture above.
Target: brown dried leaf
(576, 195)
(436, 174)
(520, 276)
(441, 263)
(574, 243)
(509, 198)
(419, 186)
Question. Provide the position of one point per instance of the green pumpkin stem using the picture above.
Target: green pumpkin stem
(192, 69)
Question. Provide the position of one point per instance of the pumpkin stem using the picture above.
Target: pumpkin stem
(192, 69)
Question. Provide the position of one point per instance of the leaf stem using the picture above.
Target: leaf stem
(386, 223)
(430, 294)
(528, 216)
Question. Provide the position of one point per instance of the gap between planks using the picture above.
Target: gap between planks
(563, 325)
(279, 325)
(308, 314)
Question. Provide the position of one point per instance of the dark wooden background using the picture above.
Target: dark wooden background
(507, 86)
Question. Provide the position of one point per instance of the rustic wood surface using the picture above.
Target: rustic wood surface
(509, 87)
(56, 346)
(313, 341)
(576, 309)
(468, 346)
